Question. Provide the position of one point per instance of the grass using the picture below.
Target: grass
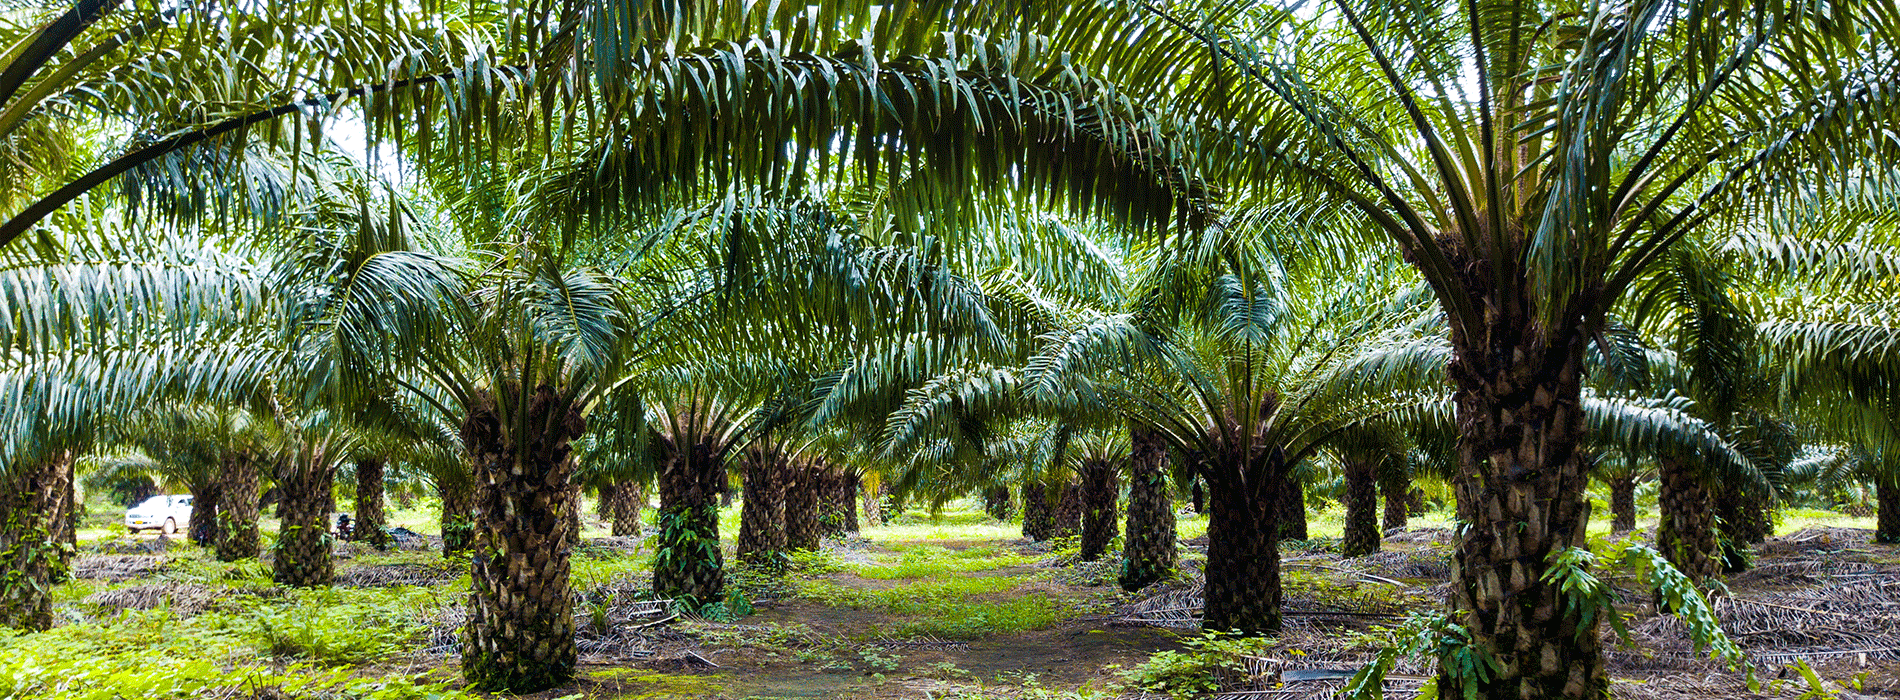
(948, 608)
(926, 561)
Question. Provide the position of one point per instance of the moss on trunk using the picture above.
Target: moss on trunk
(302, 554)
(688, 563)
(30, 558)
(1148, 556)
(238, 511)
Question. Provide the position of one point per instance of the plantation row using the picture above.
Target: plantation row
(1234, 254)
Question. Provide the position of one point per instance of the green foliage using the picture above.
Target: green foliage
(948, 608)
(1210, 662)
(328, 629)
(1423, 635)
(925, 561)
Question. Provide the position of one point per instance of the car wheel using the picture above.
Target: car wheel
(170, 528)
(132, 531)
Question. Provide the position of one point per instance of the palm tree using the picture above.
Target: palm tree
(1532, 160)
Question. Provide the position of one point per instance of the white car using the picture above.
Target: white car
(166, 514)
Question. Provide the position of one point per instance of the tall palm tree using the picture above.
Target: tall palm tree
(1531, 160)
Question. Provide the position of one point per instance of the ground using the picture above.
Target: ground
(947, 606)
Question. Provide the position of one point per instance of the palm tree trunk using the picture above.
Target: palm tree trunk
(458, 519)
(574, 507)
(1685, 532)
(1068, 512)
(369, 504)
(237, 531)
(623, 503)
(29, 560)
(1392, 487)
(801, 507)
(520, 632)
(996, 503)
(1622, 503)
(689, 563)
(303, 533)
(205, 509)
(1242, 588)
(1197, 496)
(1362, 508)
(848, 499)
(837, 505)
(873, 502)
(1292, 505)
(1742, 519)
(1521, 494)
(1148, 555)
(1039, 517)
(63, 515)
(1101, 494)
(1887, 500)
(762, 522)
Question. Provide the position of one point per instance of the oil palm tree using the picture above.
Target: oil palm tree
(1532, 160)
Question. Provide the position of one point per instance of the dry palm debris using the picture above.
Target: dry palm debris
(115, 568)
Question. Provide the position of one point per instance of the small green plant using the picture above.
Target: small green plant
(1210, 662)
(879, 663)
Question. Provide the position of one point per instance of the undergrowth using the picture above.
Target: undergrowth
(948, 608)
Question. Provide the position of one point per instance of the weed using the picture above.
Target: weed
(879, 663)
(1212, 661)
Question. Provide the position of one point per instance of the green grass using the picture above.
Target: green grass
(305, 643)
(947, 608)
(927, 560)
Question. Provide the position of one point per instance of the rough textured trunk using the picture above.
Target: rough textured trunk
(62, 517)
(1148, 554)
(801, 507)
(520, 632)
(762, 523)
(29, 557)
(623, 501)
(238, 511)
(1242, 589)
(1101, 496)
(303, 534)
(1685, 529)
(370, 519)
(205, 509)
(1392, 487)
(1197, 496)
(604, 508)
(1887, 495)
(1521, 494)
(1622, 503)
(837, 493)
(872, 498)
(1742, 520)
(1068, 512)
(458, 507)
(689, 563)
(996, 503)
(1362, 508)
(1039, 516)
(848, 500)
(1291, 500)
(574, 507)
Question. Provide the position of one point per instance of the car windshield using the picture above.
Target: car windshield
(153, 502)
